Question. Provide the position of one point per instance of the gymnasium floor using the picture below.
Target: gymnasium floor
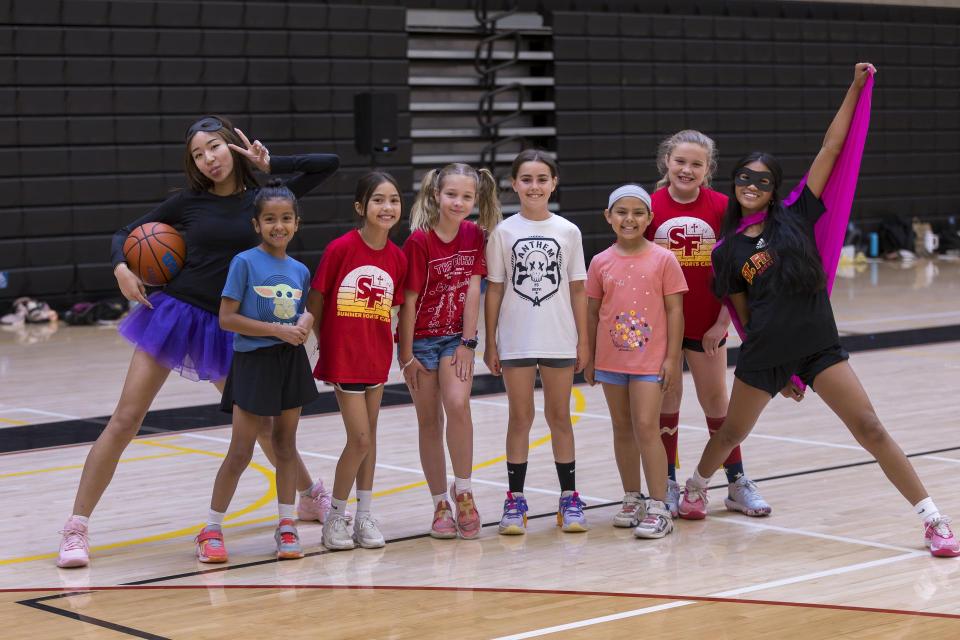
(841, 556)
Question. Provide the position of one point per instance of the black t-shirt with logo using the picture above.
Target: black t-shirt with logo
(784, 326)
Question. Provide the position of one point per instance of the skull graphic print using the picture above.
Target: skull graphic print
(536, 263)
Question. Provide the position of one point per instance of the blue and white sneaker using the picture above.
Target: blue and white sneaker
(514, 519)
(570, 516)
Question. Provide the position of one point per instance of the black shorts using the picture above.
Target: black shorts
(269, 380)
(774, 379)
(697, 345)
(551, 363)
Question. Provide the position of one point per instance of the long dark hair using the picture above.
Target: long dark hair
(365, 188)
(796, 262)
(242, 172)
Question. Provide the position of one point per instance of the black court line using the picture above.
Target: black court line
(57, 434)
(38, 603)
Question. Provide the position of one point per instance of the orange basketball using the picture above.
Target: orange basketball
(155, 252)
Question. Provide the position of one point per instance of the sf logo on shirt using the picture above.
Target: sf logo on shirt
(536, 266)
(690, 239)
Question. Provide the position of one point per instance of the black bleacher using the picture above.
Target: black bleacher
(95, 96)
(754, 75)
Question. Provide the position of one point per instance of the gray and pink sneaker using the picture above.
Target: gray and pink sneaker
(940, 539)
(74, 546)
(693, 502)
(316, 506)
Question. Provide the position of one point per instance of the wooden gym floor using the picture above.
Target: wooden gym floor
(841, 556)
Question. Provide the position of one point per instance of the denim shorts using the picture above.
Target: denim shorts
(429, 350)
(623, 379)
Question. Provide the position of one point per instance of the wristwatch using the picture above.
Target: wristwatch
(469, 344)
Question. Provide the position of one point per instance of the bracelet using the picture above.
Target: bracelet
(405, 365)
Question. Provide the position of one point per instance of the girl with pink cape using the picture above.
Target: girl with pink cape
(775, 264)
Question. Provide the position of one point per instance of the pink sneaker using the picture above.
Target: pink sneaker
(443, 524)
(210, 547)
(939, 538)
(317, 505)
(468, 519)
(693, 502)
(74, 547)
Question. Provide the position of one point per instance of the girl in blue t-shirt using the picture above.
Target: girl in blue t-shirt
(263, 304)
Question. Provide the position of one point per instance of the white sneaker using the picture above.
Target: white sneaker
(743, 496)
(366, 533)
(336, 533)
(673, 497)
(631, 511)
(657, 523)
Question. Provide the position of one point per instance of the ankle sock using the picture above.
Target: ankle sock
(438, 498)
(698, 480)
(461, 484)
(215, 518)
(84, 520)
(927, 510)
(567, 473)
(516, 476)
(338, 507)
(364, 498)
(285, 511)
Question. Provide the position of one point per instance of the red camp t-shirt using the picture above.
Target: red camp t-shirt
(359, 286)
(440, 273)
(691, 230)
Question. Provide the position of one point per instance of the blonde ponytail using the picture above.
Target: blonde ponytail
(488, 200)
(426, 210)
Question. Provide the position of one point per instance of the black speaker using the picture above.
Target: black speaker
(375, 122)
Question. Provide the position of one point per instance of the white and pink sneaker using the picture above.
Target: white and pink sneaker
(693, 502)
(74, 547)
(940, 539)
(316, 506)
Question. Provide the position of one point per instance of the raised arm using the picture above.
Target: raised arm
(837, 133)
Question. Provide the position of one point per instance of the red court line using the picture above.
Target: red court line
(562, 592)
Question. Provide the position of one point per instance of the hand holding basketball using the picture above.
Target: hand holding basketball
(155, 252)
(130, 285)
(256, 153)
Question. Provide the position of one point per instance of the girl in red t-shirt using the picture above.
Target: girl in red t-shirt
(359, 280)
(686, 219)
(438, 330)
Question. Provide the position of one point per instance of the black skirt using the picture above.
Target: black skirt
(269, 380)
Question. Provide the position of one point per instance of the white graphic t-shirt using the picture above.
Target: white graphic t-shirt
(536, 261)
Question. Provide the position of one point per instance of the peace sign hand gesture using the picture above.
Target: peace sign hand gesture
(256, 153)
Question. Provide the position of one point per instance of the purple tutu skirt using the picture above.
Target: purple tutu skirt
(178, 335)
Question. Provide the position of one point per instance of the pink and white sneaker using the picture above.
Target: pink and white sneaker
(444, 526)
(316, 506)
(74, 546)
(940, 539)
(467, 517)
(693, 502)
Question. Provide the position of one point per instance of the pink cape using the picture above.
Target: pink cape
(837, 197)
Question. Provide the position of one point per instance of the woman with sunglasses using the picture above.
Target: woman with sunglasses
(177, 329)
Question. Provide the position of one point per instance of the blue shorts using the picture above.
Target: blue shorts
(623, 379)
(429, 350)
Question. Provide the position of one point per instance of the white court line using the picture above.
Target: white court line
(752, 524)
(722, 594)
(42, 413)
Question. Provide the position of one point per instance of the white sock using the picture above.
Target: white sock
(564, 494)
(285, 511)
(84, 520)
(438, 498)
(338, 507)
(636, 495)
(461, 484)
(698, 480)
(364, 498)
(927, 510)
(215, 518)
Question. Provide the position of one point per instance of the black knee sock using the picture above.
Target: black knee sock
(567, 472)
(516, 475)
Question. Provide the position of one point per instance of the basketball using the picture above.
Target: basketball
(155, 252)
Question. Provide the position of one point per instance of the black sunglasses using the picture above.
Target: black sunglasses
(208, 124)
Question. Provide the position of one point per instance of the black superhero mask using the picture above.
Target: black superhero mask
(762, 180)
(208, 124)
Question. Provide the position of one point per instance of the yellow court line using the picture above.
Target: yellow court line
(580, 404)
(12, 421)
(80, 466)
(268, 496)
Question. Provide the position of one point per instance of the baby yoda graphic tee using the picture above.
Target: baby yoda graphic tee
(632, 333)
(359, 285)
(536, 260)
(269, 290)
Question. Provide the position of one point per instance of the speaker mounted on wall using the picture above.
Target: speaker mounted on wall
(375, 122)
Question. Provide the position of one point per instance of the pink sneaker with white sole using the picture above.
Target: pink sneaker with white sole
(693, 502)
(940, 539)
(74, 546)
(316, 506)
